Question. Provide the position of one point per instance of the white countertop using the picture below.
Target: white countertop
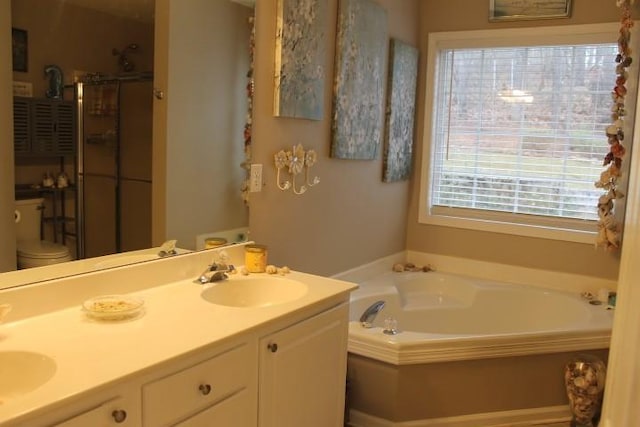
(176, 320)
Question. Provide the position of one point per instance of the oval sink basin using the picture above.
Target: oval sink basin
(23, 372)
(254, 291)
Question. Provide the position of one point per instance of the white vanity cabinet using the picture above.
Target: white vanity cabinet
(303, 372)
(119, 407)
(218, 391)
(282, 365)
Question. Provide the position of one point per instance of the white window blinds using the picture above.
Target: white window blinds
(521, 130)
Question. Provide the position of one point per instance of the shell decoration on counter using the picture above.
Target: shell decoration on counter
(271, 269)
(113, 307)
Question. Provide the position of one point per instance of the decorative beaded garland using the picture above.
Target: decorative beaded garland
(609, 228)
(248, 127)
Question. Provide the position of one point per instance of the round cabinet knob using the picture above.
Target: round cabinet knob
(273, 347)
(119, 415)
(204, 389)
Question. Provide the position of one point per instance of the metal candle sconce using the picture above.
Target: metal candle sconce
(296, 161)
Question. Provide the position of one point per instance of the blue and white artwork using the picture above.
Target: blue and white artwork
(300, 55)
(401, 110)
(360, 80)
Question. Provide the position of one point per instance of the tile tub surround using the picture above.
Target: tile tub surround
(47, 319)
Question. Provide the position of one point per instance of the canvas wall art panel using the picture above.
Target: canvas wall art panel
(401, 108)
(360, 80)
(300, 57)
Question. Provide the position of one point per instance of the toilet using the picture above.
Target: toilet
(31, 251)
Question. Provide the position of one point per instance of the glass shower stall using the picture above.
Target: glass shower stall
(114, 163)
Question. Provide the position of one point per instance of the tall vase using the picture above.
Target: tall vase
(584, 378)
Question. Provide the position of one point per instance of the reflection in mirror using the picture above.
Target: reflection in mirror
(140, 169)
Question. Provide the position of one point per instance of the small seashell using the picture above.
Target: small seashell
(244, 271)
(285, 269)
(398, 268)
(580, 382)
(271, 269)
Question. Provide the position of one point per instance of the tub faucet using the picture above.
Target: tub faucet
(366, 320)
(216, 272)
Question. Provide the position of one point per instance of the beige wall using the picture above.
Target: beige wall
(500, 248)
(7, 228)
(351, 217)
(201, 64)
(84, 45)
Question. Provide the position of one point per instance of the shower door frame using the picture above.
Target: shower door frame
(80, 174)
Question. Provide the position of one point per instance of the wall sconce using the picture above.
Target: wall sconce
(296, 161)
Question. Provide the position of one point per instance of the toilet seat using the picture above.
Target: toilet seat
(41, 249)
(41, 253)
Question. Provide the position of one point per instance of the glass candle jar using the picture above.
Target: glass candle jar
(255, 258)
(214, 242)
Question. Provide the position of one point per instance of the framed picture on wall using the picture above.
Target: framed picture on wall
(509, 10)
(19, 48)
(359, 81)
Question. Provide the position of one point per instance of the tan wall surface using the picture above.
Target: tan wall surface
(84, 45)
(198, 126)
(7, 227)
(500, 248)
(351, 217)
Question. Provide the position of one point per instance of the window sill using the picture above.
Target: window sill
(497, 226)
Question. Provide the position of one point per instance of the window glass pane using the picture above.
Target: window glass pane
(521, 130)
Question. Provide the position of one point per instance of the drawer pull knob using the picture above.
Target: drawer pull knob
(119, 415)
(273, 347)
(204, 389)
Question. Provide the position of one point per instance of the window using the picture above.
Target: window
(516, 135)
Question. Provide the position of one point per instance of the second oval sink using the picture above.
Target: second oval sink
(23, 372)
(254, 291)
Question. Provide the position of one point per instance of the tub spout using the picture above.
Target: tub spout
(366, 320)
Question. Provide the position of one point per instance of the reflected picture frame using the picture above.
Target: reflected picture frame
(19, 49)
(506, 10)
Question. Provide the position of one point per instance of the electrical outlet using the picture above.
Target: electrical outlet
(255, 180)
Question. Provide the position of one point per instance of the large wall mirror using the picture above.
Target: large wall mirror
(160, 124)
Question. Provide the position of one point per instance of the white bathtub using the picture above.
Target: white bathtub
(445, 317)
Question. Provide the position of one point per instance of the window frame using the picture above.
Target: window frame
(582, 231)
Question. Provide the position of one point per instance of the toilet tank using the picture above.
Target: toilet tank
(28, 214)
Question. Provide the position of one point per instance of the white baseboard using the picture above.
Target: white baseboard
(516, 418)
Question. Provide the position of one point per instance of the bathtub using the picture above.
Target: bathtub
(447, 317)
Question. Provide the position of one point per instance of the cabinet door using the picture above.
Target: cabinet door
(120, 412)
(233, 411)
(303, 373)
(53, 127)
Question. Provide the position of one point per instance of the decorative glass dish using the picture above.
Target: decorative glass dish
(113, 307)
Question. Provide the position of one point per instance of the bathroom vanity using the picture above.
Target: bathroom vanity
(270, 351)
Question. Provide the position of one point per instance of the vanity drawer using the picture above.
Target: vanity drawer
(179, 395)
(122, 411)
